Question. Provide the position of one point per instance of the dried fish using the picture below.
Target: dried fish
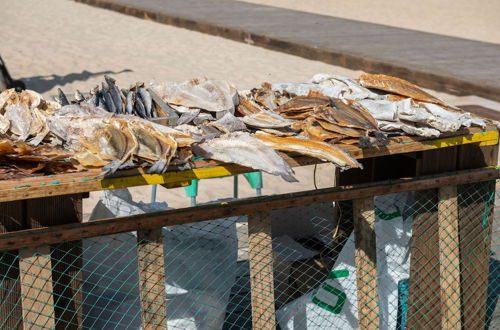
(209, 95)
(188, 116)
(17, 111)
(303, 103)
(139, 108)
(79, 96)
(343, 130)
(321, 150)
(279, 131)
(62, 97)
(352, 114)
(147, 101)
(266, 119)
(115, 93)
(311, 128)
(247, 107)
(244, 149)
(396, 86)
(229, 123)
(129, 107)
(4, 124)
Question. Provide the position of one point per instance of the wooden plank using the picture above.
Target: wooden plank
(36, 288)
(152, 285)
(475, 227)
(260, 252)
(66, 257)
(11, 219)
(449, 258)
(72, 183)
(366, 263)
(71, 232)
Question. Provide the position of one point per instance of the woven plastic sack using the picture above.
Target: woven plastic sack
(334, 303)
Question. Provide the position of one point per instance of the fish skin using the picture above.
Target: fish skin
(320, 150)
(79, 96)
(266, 119)
(108, 99)
(187, 117)
(347, 131)
(139, 107)
(115, 94)
(147, 101)
(243, 149)
(229, 123)
(129, 107)
(397, 86)
(62, 97)
(303, 103)
(247, 107)
(314, 130)
(347, 115)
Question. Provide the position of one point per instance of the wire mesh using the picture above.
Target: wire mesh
(434, 264)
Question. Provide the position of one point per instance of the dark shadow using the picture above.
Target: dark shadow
(42, 84)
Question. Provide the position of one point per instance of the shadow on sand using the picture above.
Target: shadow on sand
(42, 84)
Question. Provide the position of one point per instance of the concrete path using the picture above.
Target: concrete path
(453, 65)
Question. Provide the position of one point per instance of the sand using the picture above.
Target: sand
(60, 43)
(476, 20)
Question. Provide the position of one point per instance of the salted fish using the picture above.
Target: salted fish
(247, 107)
(352, 114)
(4, 124)
(396, 86)
(17, 111)
(243, 149)
(398, 126)
(316, 149)
(328, 85)
(188, 116)
(266, 119)
(209, 95)
(312, 129)
(229, 123)
(279, 131)
(303, 103)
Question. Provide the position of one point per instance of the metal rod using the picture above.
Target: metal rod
(153, 193)
(193, 200)
(258, 191)
(235, 187)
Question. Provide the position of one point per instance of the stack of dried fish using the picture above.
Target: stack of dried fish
(209, 118)
(137, 100)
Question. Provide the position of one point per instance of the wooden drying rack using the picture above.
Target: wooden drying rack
(40, 211)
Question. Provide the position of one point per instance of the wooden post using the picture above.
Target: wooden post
(366, 263)
(475, 213)
(260, 252)
(424, 286)
(11, 219)
(66, 257)
(449, 258)
(36, 288)
(152, 279)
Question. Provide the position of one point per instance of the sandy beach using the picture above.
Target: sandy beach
(63, 44)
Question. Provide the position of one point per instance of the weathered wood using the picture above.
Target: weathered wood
(449, 258)
(73, 183)
(71, 232)
(11, 219)
(36, 288)
(366, 263)
(151, 270)
(476, 204)
(424, 286)
(260, 252)
(66, 257)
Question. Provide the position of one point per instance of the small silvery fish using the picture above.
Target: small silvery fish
(139, 107)
(109, 102)
(62, 98)
(146, 100)
(129, 107)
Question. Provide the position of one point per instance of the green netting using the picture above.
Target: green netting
(209, 272)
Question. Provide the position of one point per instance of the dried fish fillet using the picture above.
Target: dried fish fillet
(396, 86)
(347, 131)
(229, 123)
(314, 130)
(352, 114)
(247, 107)
(4, 124)
(316, 149)
(303, 103)
(244, 149)
(266, 119)
(18, 113)
(209, 95)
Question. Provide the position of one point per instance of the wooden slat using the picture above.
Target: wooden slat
(449, 258)
(475, 226)
(36, 288)
(66, 257)
(152, 285)
(11, 219)
(72, 183)
(260, 252)
(71, 232)
(366, 263)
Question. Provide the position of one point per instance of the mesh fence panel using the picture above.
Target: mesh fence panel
(434, 264)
